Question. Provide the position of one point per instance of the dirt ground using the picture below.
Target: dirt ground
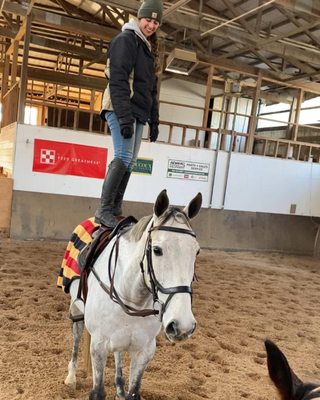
(240, 299)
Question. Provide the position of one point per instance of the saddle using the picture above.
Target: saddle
(89, 254)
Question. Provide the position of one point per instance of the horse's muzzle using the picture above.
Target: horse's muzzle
(175, 333)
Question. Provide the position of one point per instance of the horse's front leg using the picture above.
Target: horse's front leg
(98, 359)
(118, 380)
(139, 362)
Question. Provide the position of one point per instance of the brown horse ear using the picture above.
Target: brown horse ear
(194, 206)
(161, 204)
(280, 372)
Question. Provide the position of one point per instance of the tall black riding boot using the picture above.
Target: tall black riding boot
(105, 213)
(121, 190)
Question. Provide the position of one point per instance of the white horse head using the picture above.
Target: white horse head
(172, 251)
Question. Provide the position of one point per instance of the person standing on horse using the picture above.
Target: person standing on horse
(129, 102)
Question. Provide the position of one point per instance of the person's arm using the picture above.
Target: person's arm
(122, 55)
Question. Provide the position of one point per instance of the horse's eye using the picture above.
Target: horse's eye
(157, 251)
(198, 252)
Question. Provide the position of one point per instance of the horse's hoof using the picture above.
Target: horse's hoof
(71, 385)
(120, 395)
(97, 395)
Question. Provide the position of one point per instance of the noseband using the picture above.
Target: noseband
(159, 307)
(156, 286)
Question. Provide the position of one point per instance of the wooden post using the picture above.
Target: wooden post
(208, 97)
(14, 62)
(291, 118)
(5, 76)
(197, 138)
(184, 133)
(24, 71)
(92, 94)
(297, 115)
(170, 133)
(253, 116)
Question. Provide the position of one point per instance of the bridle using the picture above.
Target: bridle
(155, 286)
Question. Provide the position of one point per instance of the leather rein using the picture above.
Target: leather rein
(158, 306)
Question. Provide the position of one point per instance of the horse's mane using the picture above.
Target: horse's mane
(136, 232)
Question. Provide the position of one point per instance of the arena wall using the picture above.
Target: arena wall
(249, 202)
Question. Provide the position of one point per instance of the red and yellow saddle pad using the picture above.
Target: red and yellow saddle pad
(81, 236)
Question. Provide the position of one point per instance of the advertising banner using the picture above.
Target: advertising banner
(188, 170)
(63, 158)
(143, 166)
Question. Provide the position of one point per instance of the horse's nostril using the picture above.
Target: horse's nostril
(171, 328)
(193, 329)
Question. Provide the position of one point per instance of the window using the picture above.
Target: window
(277, 115)
(30, 115)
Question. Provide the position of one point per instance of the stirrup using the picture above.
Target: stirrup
(79, 316)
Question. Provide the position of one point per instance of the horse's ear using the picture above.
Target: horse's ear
(161, 204)
(194, 206)
(280, 372)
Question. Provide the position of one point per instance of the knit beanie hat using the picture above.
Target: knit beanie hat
(151, 9)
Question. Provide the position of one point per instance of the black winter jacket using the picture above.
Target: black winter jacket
(128, 54)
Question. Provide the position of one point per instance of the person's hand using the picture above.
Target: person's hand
(127, 131)
(154, 132)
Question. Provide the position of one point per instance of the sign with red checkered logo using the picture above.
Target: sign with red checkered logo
(69, 159)
(47, 156)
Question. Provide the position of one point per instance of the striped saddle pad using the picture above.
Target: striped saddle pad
(81, 236)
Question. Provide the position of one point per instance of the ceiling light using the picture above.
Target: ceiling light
(181, 61)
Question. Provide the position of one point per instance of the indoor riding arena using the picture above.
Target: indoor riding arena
(240, 299)
(239, 100)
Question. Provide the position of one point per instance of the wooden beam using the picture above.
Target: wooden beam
(208, 96)
(8, 33)
(76, 10)
(14, 8)
(245, 69)
(65, 79)
(296, 22)
(17, 38)
(269, 97)
(73, 25)
(312, 87)
(24, 70)
(253, 116)
(272, 45)
(5, 77)
(306, 55)
(297, 115)
(62, 22)
(87, 54)
(174, 7)
(14, 63)
(112, 18)
(127, 5)
(309, 7)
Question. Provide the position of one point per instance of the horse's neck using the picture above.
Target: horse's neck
(128, 279)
